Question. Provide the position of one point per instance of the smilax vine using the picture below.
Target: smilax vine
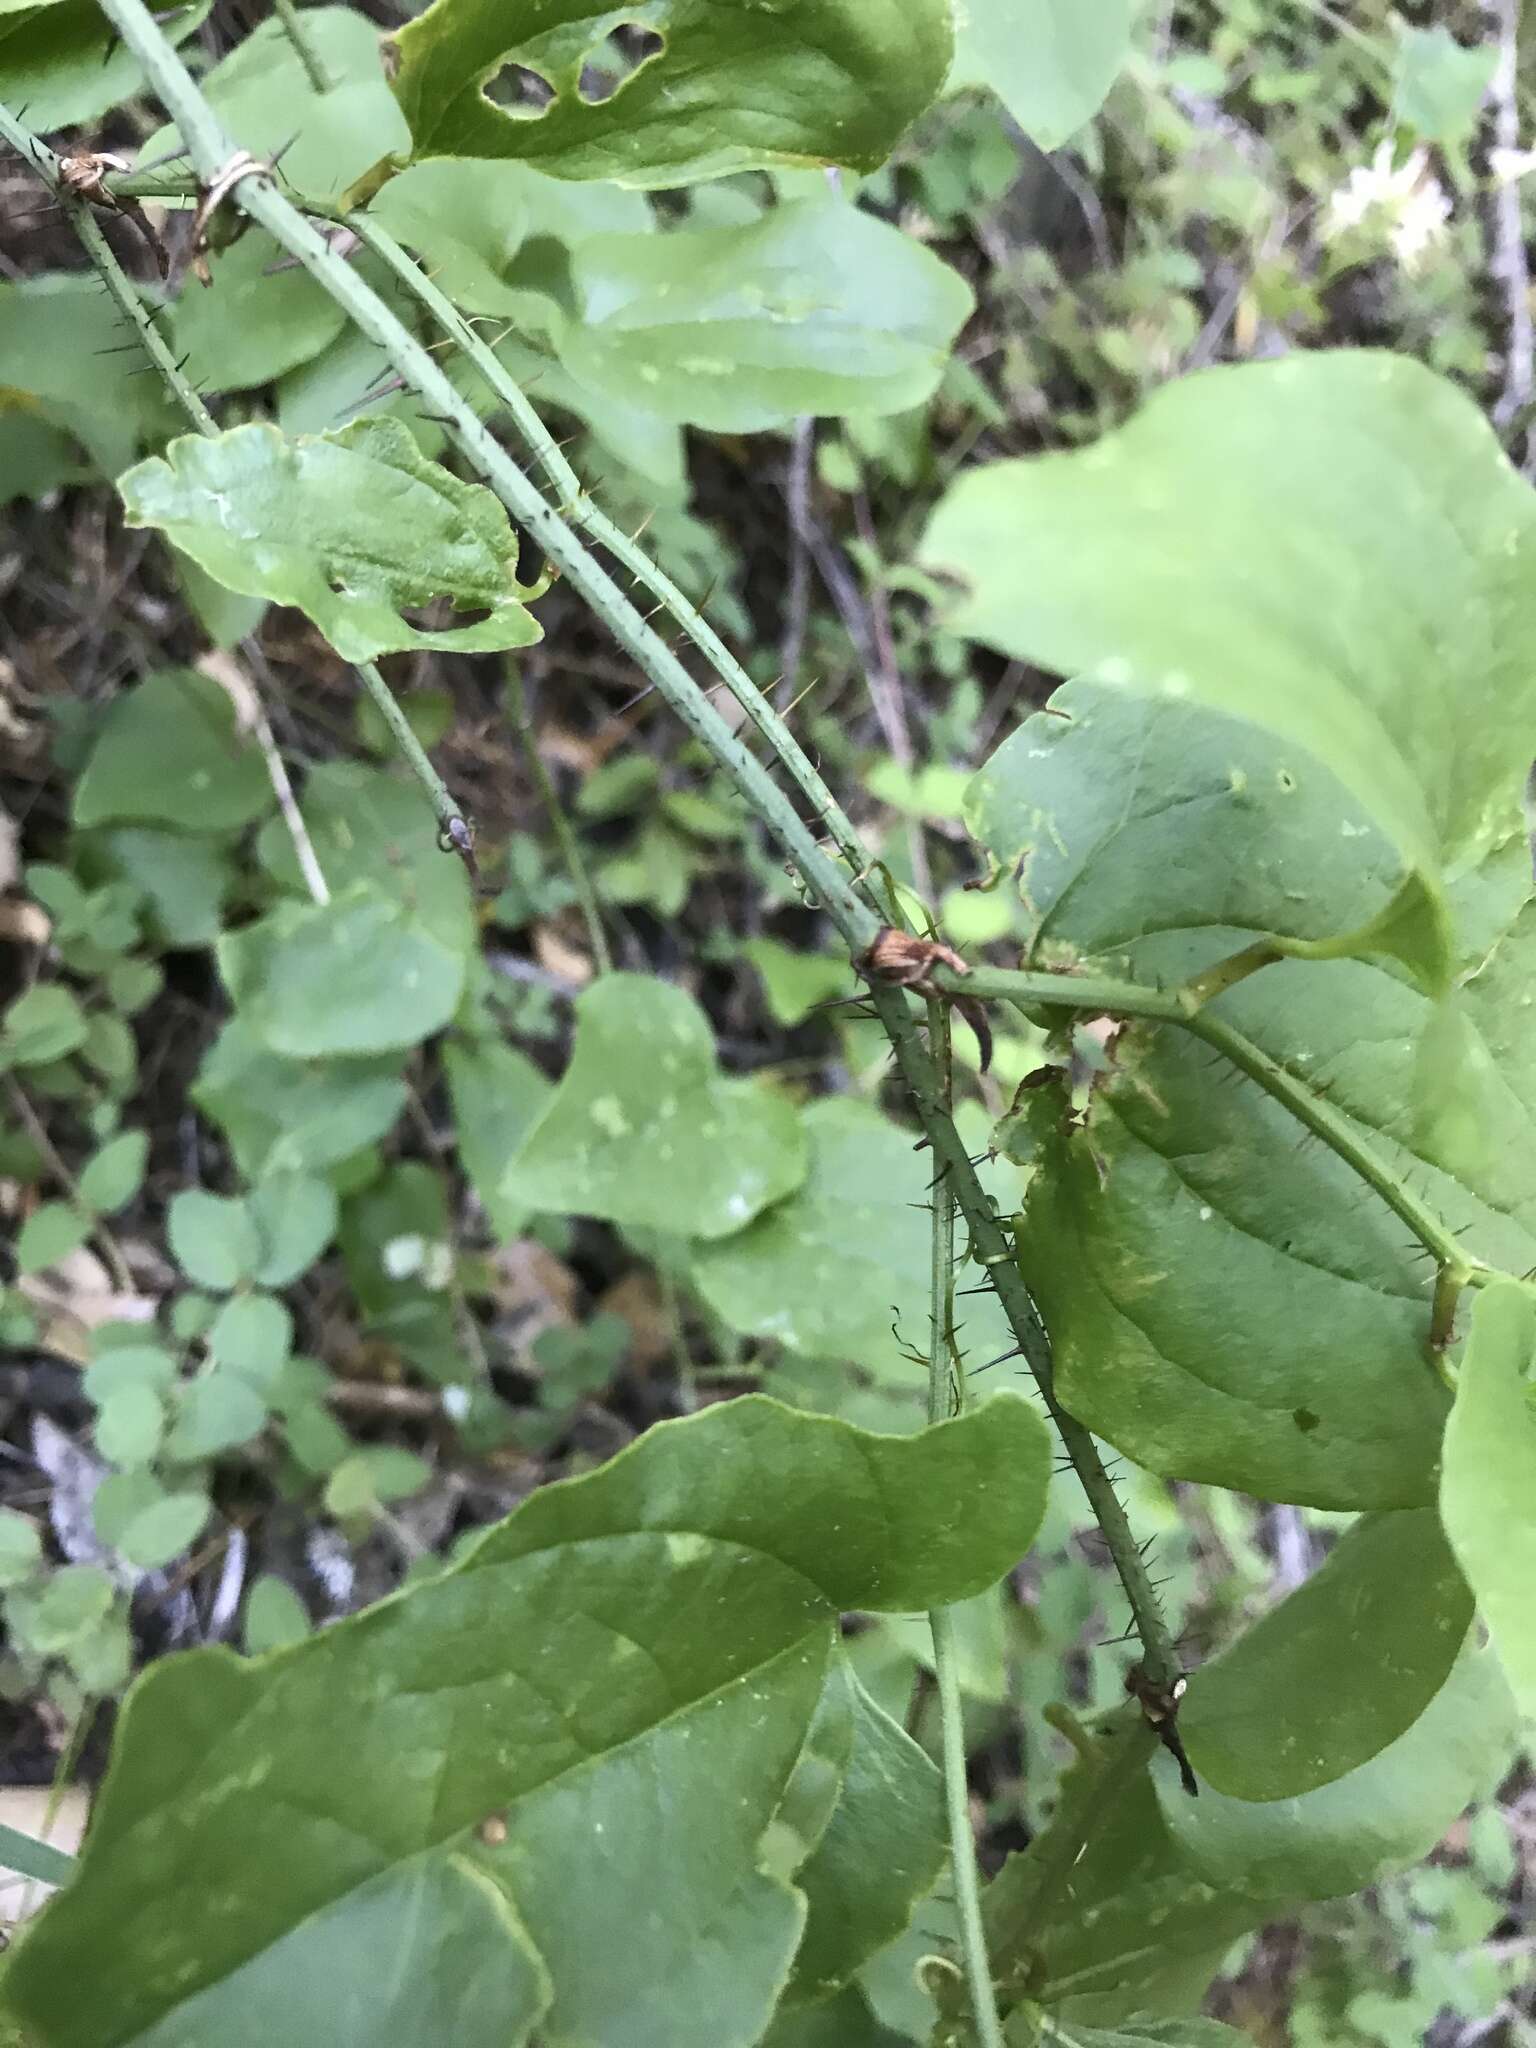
(1279, 1186)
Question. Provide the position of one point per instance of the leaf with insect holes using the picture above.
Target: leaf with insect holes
(595, 1671)
(1349, 521)
(698, 90)
(1050, 62)
(351, 527)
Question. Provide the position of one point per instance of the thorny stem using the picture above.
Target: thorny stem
(578, 507)
(570, 851)
(991, 1249)
(1183, 1008)
(1321, 1118)
(118, 284)
(210, 149)
(942, 1378)
(134, 310)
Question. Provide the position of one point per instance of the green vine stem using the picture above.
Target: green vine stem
(257, 195)
(131, 305)
(577, 506)
(991, 1248)
(570, 851)
(1325, 1122)
(1027, 1896)
(1183, 1007)
(452, 825)
(1090, 993)
(946, 1395)
(297, 32)
(116, 280)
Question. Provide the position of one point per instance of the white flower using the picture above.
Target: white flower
(1420, 224)
(1404, 204)
(402, 1256)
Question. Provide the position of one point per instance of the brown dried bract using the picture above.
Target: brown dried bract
(84, 176)
(908, 961)
(1160, 1709)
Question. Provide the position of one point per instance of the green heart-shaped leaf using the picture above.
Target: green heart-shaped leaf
(1333, 548)
(601, 1664)
(1185, 1241)
(1050, 62)
(643, 1129)
(1339, 1669)
(356, 975)
(815, 308)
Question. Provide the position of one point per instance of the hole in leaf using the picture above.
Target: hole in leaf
(613, 62)
(530, 559)
(442, 615)
(520, 92)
